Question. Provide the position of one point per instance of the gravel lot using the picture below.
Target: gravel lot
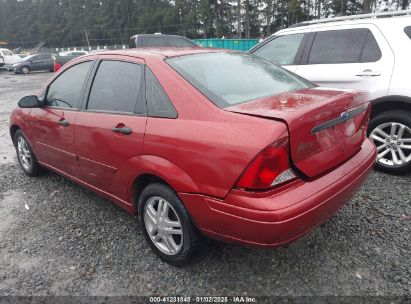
(57, 238)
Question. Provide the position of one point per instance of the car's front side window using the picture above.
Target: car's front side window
(116, 87)
(281, 50)
(65, 91)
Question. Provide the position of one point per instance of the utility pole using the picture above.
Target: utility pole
(239, 19)
(88, 42)
(247, 19)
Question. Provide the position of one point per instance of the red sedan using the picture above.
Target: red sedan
(199, 141)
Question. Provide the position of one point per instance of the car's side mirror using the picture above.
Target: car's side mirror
(30, 101)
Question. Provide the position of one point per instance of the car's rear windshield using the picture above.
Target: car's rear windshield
(232, 78)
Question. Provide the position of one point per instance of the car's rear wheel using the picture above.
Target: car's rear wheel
(391, 133)
(166, 225)
(25, 155)
(25, 69)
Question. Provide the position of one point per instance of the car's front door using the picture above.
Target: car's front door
(285, 50)
(54, 123)
(35, 63)
(110, 129)
(348, 57)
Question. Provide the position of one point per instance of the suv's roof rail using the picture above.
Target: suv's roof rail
(353, 17)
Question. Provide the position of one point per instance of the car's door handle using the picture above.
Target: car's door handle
(368, 73)
(63, 122)
(123, 130)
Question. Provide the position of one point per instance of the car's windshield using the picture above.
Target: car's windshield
(233, 78)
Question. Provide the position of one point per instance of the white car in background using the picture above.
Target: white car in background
(369, 52)
(9, 57)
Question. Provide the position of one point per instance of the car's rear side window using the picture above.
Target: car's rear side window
(179, 42)
(158, 103)
(344, 46)
(152, 41)
(116, 87)
(407, 30)
(65, 91)
(132, 42)
(371, 51)
(281, 50)
(230, 78)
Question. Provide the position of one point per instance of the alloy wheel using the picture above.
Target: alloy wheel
(393, 141)
(24, 153)
(163, 225)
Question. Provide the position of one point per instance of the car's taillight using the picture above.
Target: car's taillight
(270, 168)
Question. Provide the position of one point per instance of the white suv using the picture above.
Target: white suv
(9, 57)
(363, 52)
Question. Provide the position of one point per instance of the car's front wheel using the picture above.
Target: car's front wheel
(166, 225)
(25, 155)
(391, 133)
(25, 70)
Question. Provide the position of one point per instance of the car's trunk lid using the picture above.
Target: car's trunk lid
(326, 126)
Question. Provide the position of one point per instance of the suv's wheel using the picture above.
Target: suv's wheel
(166, 225)
(25, 69)
(25, 155)
(391, 133)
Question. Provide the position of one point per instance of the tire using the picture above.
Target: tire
(157, 237)
(25, 155)
(391, 133)
(25, 69)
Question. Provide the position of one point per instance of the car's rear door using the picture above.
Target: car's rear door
(348, 57)
(110, 128)
(54, 123)
(284, 49)
(45, 62)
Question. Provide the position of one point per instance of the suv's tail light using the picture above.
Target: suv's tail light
(270, 168)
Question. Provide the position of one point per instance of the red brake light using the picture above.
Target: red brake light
(271, 167)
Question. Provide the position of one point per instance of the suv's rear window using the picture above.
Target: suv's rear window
(407, 30)
(232, 78)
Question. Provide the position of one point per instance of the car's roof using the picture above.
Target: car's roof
(386, 22)
(164, 52)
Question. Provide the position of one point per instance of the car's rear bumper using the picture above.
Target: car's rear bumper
(274, 218)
